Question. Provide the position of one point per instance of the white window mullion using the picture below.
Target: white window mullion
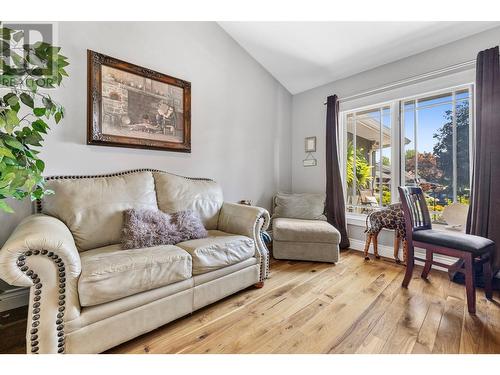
(380, 161)
(354, 146)
(402, 155)
(454, 144)
(415, 137)
(396, 151)
(343, 151)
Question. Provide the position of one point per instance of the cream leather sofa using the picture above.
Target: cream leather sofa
(88, 295)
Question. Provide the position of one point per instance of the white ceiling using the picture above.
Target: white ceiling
(303, 55)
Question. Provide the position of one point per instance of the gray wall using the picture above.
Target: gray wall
(241, 115)
(308, 111)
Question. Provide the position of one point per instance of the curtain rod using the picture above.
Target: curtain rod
(414, 79)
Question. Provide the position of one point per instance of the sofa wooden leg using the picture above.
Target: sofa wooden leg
(259, 285)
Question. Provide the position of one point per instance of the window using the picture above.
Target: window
(368, 159)
(424, 140)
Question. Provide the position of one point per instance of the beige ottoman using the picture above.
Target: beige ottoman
(298, 239)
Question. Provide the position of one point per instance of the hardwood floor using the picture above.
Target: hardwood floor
(352, 307)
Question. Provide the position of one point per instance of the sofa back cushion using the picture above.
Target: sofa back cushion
(308, 206)
(176, 193)
(92, 207)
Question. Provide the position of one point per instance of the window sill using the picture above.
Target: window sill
(359, 220)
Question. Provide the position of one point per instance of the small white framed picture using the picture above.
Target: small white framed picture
(310, 144)
(310, 162)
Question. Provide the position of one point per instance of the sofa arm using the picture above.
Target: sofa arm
(248, 221)
(41, 254)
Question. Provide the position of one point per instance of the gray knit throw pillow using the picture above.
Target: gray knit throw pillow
(146, 228)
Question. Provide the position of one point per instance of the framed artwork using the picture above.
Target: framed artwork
(310, 144)
(132, 106)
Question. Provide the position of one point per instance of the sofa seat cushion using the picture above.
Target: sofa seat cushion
(110, 273)
(218, 250)
(299, 230)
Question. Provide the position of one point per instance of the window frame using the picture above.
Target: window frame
(397, 136)
(394, 134)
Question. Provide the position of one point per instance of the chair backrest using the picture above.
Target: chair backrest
(415, 209)
(307, 206)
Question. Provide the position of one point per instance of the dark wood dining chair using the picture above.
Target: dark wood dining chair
(419, 233)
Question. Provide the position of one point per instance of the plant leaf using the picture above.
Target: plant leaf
(16, 107)
(27, 99)
(6, 152)
(11, 118)
(40, 165)
(4, 46)
(34, 138)
(18, 35)
(31, 84)
(40, 126)
(47, 102)
(5, 33)
(39, 111)
(14, 143)
(10, 97)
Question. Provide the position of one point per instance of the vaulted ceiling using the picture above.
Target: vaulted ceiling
(303, 55)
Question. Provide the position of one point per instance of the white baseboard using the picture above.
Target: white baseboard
(388, 252)
(14, 298)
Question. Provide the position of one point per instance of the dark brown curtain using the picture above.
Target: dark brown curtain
(335, 207)
(484, 212)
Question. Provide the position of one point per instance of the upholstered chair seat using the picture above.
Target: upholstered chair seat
(465, 242)
(300, 230)
(218, 250)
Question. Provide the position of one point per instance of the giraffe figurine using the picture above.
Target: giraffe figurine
(390, 217)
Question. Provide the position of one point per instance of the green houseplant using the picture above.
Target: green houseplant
(27, 72)
(363, 168)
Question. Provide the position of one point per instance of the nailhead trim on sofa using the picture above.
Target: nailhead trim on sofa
(114, 174)
(265, 267)
(37, 308)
